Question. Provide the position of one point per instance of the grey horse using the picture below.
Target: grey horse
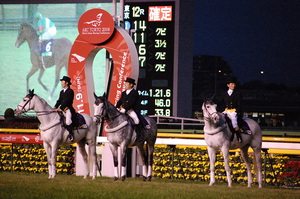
(122, 133)
(61, 49)
(217, 136)
(54, 134)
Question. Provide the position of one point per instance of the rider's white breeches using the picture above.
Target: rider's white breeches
(68, 117)
(48, 34)
(233, 117)
(134, 116)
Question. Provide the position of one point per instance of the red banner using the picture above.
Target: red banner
(21, 138)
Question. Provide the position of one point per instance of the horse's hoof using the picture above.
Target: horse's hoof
(116, 178)
(123, 178)
(149, 178)
(144, 178)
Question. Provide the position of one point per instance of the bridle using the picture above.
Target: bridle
(103, 114)
(39, 113)
(23, 107)
(210, 115)
(218, 126)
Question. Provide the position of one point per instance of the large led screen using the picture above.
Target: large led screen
(16, 64)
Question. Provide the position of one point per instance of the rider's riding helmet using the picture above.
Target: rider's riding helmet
(37, 15)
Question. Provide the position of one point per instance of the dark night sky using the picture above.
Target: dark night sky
(252, 36)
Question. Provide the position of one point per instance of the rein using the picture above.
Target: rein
(209, 114)
(40, 113)
(209, 119)
(110, 130)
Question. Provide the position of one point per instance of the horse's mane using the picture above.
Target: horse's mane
(28, 25)
(44, 103)
(110, 107)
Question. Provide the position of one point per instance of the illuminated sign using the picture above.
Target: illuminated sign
(153, 34)
(89, 41)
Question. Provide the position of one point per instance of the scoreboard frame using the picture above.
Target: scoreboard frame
(156, 41)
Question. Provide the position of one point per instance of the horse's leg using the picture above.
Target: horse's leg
(114, 151)
(57, 74)
(42, 70)
(31, 72)
(47, 148)
(93, 154)
(257, 165)
(52, 158)
(123, 160)
(142, 155)
(150, 160)
(212, 160)
(81, 146)
(245, 156)
(225, 151)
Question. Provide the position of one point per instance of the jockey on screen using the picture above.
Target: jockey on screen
(46, 28)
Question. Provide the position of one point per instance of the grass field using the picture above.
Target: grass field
(27, 186)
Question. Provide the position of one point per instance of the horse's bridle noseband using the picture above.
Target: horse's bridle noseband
(101, 115)
(210, 115)
(23, 107)
(37, 112)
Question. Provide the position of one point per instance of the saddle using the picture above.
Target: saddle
(243, 125)
(78, 121)
(138, 129)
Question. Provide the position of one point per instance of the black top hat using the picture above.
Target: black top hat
(231, 80)
(130, 80)
(66, 79)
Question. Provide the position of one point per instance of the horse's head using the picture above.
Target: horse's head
(210, 113)
(25, 105)
(99, 110)
(26, 30)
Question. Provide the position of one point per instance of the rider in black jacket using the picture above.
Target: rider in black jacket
(65, 104)
(129, 103)
(231, 100)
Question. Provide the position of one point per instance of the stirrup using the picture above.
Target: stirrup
(147, 127)
(71, 137)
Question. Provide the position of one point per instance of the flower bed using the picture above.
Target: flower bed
(173, 163)
(193, 164)
(290, 176)
(32, 158)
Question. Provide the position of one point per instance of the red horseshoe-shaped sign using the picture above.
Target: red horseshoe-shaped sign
(97, 31)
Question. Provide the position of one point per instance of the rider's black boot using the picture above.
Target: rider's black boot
(70, 129)
(238, 136)
(138, 131)
(232, 137)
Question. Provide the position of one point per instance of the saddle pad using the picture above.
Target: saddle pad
(81, 121)
(47, 48)
(241, 123)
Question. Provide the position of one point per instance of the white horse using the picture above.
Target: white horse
(53, 133)
(217, 136)
(121, 133)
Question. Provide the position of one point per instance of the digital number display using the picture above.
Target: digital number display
(152, 27)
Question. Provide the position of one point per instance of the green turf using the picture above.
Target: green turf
(21, 185)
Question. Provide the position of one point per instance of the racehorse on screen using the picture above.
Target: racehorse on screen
(121, 133)
(61, 49)
(217, 136)
(53, 133)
